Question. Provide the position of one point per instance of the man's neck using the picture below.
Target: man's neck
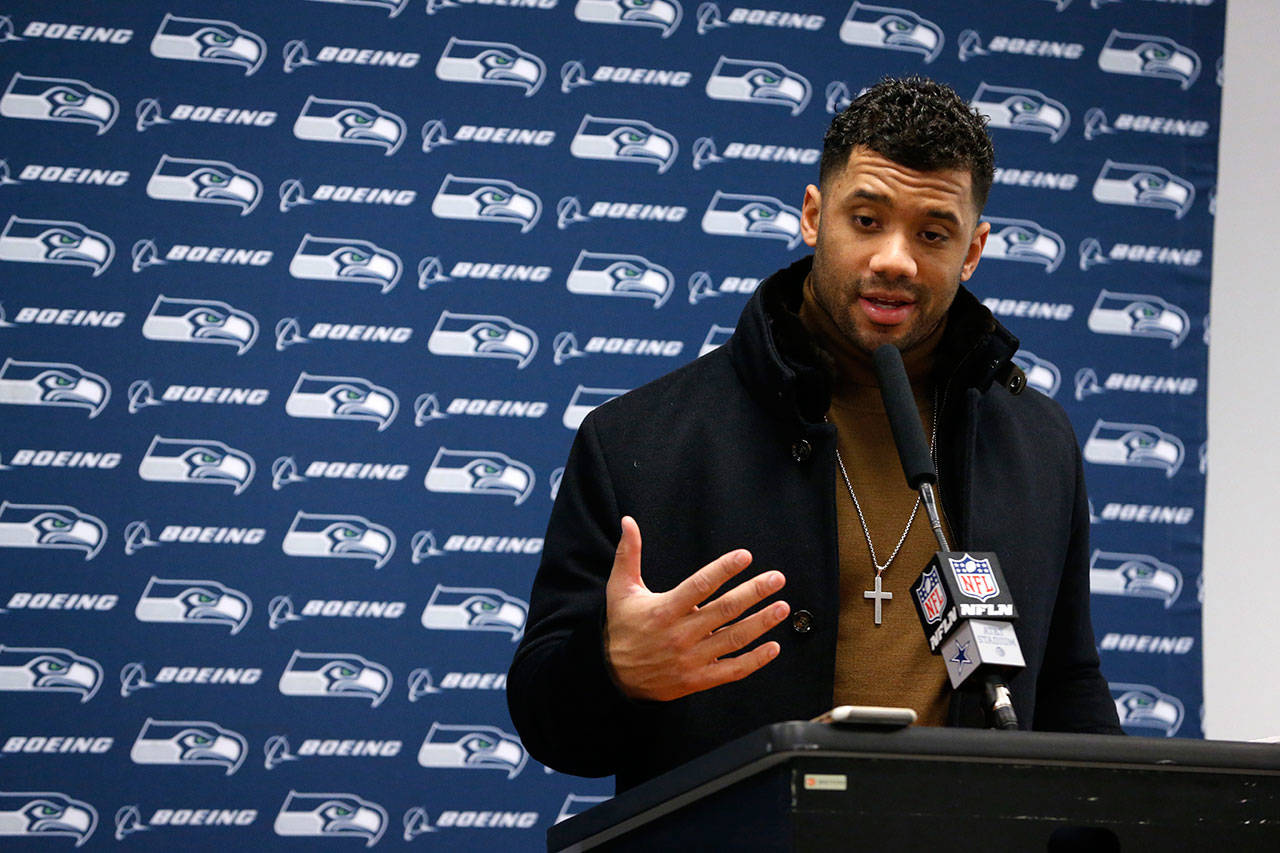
(853, 365)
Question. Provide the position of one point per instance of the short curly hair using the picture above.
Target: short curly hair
(917, 122)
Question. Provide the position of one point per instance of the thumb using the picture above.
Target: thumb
(626, 560)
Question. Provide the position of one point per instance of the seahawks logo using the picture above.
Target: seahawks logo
(349, 537)
(193, 602)
(393, 7)
(1012, 108)
(754, 82)
(200, 321)
(743, 215)
(1134, 446)
(331, 816)
(1149, 56)
(50, 526)
(717, 336)
(349, 122)
(208, 40)
(342, 398)
(486, 200)
(345, 260)
(665, 15)
(59, 99)
(189, 743)
(1142, 185)
(474, 608)
(1024, 240)
(1134, 576)
(1139, 315)
(472, 748)
(204, 182)
(479, 472)
(482, 336)
(584, 400)
(335, 675)
(1042, 374)
(624, 139)
(490, 62)
(604, 274)
(891, 28)
(1141, 706)
(54, 241)
(52, 383)
(196, 461)
(44, 814)
(48, 670)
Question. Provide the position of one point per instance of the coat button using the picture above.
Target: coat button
(802, 622)
(800, 450)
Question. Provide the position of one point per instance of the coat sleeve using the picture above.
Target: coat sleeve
(1072, 695)
(562, 699)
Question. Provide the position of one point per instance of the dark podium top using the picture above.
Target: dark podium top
(812, 786)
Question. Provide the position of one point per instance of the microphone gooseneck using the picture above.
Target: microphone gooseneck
(962, 599)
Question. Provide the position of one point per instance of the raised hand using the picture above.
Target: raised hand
(670, 644)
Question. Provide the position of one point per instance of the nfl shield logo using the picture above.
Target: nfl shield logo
(933, 599)
(975, 577)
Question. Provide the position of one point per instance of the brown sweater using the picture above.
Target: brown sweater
(888, 664)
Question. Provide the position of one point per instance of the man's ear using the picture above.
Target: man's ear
(976, 245)
(810, 211)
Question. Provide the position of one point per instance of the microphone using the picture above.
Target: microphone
(963, 602)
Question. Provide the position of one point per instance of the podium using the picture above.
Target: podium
(813, 787)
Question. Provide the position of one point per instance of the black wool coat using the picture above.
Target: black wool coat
(732, 451)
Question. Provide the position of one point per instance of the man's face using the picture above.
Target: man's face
(891, 246)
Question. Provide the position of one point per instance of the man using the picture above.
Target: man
(773, 451)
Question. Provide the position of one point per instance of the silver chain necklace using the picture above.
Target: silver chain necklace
(878, 594)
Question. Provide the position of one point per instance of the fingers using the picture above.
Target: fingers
(699, 586)
(626, 559)
(739, 667)
(738, 600)
(739, 635)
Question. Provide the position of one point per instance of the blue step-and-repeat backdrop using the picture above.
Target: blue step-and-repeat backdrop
(302, 302)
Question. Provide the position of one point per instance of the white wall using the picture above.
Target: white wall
(1242, 583)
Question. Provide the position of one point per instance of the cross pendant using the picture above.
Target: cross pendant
(879, 595)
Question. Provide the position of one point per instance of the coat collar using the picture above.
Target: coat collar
(777, 359)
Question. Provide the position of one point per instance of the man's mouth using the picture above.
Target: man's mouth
(886, 310)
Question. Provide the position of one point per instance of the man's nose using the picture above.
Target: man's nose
(892, 258)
